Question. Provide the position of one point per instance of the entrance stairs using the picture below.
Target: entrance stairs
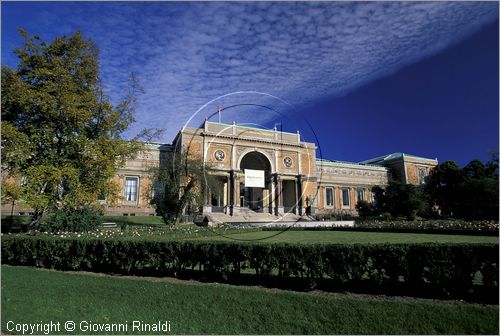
(249, 217)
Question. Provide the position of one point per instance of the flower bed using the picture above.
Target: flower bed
(460, 225)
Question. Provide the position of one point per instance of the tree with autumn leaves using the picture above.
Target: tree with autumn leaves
(61, 137)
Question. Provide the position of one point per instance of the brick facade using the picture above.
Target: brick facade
(294, 177)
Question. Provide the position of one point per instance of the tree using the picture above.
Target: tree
(366, 209)
(180, 185)
(445, 187)
(400, 200)
(59, 130)
(468, 193)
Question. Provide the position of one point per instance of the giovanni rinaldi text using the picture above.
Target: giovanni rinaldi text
(50, 327)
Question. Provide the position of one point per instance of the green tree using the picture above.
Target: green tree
(445, 187)
(400, 200)
(468, 193)
(366, 209)
(180, 186)
(59, 130)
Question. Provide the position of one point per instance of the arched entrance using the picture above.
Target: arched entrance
(255, 188)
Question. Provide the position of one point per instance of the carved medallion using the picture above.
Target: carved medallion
(287, 161)
(219, 155)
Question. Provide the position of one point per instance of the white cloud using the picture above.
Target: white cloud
(186, 54)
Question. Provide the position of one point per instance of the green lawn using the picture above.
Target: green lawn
(130, 220)
(347, 237)
(138, 220)
(32, 295)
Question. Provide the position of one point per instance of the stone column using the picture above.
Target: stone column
(296, 204)
(299, 194)
(140, 182)
(236, 201)
(270, 197)
(231, 192)
(278, 195)
(352, 204)
(121, 186)
(207, 207)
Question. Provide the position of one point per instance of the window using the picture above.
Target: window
(361, 194)
(345, 197)
(421, 175)
(374, 199)
(329, 197)
(158, 189)
(131, 188)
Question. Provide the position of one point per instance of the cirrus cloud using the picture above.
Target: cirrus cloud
(186, 54)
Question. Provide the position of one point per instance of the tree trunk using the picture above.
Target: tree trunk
(36, 220)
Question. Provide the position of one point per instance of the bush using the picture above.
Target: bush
(15, 223)
(436, 270)
(73, 220)
(366, 209)
(335, 215)
(430, 225)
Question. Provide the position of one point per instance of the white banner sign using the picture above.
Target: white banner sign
(254, 178)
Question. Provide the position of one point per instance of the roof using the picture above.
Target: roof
(255, 127)
(158, 145)
(345, 163)
(393, 156)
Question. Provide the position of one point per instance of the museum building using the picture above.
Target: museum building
(265, 171)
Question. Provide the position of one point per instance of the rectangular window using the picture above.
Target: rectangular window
(421, 175)
(158, 189)
(374, 199)
(361, 194)
(131, 188)
(345, 197)
(329, 197)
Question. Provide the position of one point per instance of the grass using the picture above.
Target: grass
(346, 237)
(134, 220)
(17, 221)
(256, 235)
(32, 295)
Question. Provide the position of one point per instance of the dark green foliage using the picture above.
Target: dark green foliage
(59, 129)
(399, 200)
(83, 219)
(181, 183)
(469, 193)
(15, 223)
(445, 270)
(366, 209)
(429, 226)
(436, 226)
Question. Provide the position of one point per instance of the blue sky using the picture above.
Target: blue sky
(369, 78)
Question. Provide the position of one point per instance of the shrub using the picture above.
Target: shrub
(430, 225)
(443, 270)
(366, 209)
(73, 220)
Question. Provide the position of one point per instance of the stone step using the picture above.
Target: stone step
(109, 225)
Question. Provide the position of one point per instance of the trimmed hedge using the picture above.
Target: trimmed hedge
(468, 271)
(83, 219)
(431, 225)
(386, 229)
